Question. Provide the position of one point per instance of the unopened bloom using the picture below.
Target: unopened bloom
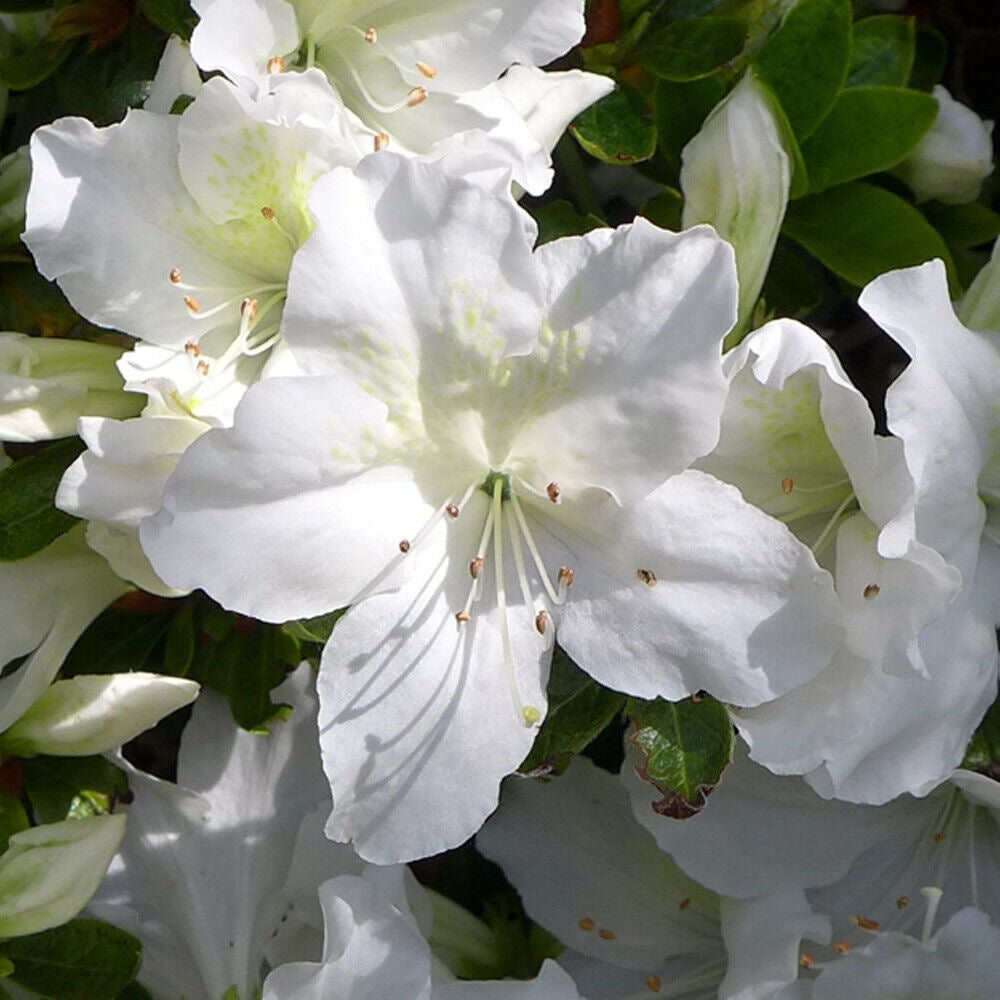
(492, 446)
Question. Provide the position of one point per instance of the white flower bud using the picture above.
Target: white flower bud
(953, 158)
(48, 873)
(90, 714)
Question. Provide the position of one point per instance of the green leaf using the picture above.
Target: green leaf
(665, 209)
(24, 6)
(693, 48)
(679, 109)
(805, 61)
(968, 225)
(81, 960)
(884, 49)
(6, 968)
(983, 751)
(793, 286)
(59, 788)
(28, 69)
(579, 708)
(867, 130)
(559, 218)
(685, 745)
(135, 991)
(930, 58)
(179, 649)
(29, 519)
(175, 17)
(115, 642)
(859, 231)
(13, 818)
(617, 129)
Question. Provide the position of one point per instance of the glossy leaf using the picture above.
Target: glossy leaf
(884, 49)
(61, 788)
(559, 218)
(967, 225)
(617, 129)
(679, 110)
(692, 48)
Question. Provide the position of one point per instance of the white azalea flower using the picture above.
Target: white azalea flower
(179, 229)
(373, 948)
(412, 75)
(176, 76)
(894, 709)
(203, 876)
(479, 458)
(954, 158)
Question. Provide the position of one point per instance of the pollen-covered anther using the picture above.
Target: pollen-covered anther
(276, 64)
(452, 510)
(462, 617)
(654, 984)
(404, 546)
(553, 492)
(606, 935)
(193, 349)
(806, 960)
(565, 577)
(587, 924)
(938, 838)
(787, 484)
(192, 303)
(175, 275)
(269, 213)
(684, 903)
(426, 69)
(380, 141)
(417, 96)
(476, 567)
(203, 367)
(371, 35)
(541, 622)
(870, 591)
(842, 947)
(865, 923)
(903, 902)
(248, 308)
(647, 577)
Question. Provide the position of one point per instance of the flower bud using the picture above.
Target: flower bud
(953, 158)
(90, 714)
(48, 873)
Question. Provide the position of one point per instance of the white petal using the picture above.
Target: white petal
(646, 312)
(176, 76)
(590, 874)
(691, 589)
(418, 723)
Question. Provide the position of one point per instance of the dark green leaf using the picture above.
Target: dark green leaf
(930, 59)
(135, 991)
(617, 128)
(579, 708)
(665, 209)
(81, 960)
(793, 286)
(868, 129)
(884, 48)
(559, 218)
(983, 751)
(28, 69)
(179, 649)
(805, 61)
(6, 968)
(61, 787)
(860, 231)
(29, 519)
(685, 746)
(24, 6)
(693, 48)
(181, 104)
(13, 818)
(175, 17)
(116, 642)
(968, 225)
(680, 109)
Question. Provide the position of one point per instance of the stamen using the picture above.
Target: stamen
(476, 567)
(522, 577)
(553, 492)
(541, 621)
(529, 714)
(175, 275)
(870, 591)
(565, 581)
(417, 96)
(381, 141)
(404, 546)
(193, 349)
(865, 923)
(825, 535)
(276, 64)
(903, 902)
(842, 947)
(653, 983)
(192, 303)
(806, 960)
(268, 213)
(787, 485)
(647, 576)
(606, 935)
(557, 596)
(203, 368)
(478, 562)
(587, 924)
(426, 69)
(462, 616)
(371, 35)
(452, 510)
(684, 903)
(933, 896)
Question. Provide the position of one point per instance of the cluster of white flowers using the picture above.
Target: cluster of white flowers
(362, 386)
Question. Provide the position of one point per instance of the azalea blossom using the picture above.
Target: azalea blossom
(491, 445)
(416, 79)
